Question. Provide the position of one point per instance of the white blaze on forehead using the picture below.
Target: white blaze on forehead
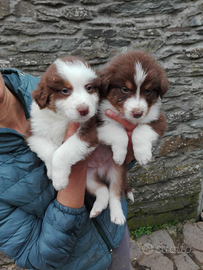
(135, 102)
(76, 72)
(140, 74)
(139, 77)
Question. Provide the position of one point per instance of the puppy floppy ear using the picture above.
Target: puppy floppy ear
(105, 83)
(163, 86)
(41, 96)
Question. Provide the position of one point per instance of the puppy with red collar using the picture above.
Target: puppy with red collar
(133, 85)
(67, 92)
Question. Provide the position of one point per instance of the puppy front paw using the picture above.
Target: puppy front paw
(60, 178)
(60, 185)
(143, 155)
(119, 155)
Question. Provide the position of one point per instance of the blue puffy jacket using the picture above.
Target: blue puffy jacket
(36, 231)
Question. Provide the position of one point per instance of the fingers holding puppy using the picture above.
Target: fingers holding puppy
(72, 129)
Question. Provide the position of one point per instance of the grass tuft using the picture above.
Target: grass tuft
(148, 229)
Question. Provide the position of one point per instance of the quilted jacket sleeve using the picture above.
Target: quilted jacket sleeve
(40, 243)
(35, 230)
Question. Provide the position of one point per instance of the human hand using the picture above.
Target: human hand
(73, 195)
(129, 127)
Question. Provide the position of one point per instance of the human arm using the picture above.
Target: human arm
(73, 194)
(36, 231)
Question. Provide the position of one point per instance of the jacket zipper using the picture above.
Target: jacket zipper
(100, 231)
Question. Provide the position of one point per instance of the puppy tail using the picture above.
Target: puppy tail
(130, 196)
(127, 189)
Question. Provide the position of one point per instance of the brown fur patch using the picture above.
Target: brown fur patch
(125, 187)
(119, 186)
(160, 125)
(128, 84)
(88, 132)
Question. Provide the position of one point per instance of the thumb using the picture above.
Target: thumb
(72, 129)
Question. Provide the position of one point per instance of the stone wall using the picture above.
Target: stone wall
(33, 33)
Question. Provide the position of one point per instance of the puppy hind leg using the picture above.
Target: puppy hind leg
(115, 190)
(99, 189)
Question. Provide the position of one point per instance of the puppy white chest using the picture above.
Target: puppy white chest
(48, 124)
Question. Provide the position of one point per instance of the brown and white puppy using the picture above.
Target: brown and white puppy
(67, 92)
(133, 84)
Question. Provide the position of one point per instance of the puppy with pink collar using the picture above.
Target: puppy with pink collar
(132, 86)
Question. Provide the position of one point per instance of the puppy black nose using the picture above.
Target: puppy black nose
(83, 110)
(136, 114)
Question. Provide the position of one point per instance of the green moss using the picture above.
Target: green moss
(149, 229)
(162, 206)
(141, 219)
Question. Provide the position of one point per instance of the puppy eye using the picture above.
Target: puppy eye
(125, 90)
(65, 91)
(148, 91)
(89, 88)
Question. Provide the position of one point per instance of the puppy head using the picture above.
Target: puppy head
(70, 88)
(133, 83)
